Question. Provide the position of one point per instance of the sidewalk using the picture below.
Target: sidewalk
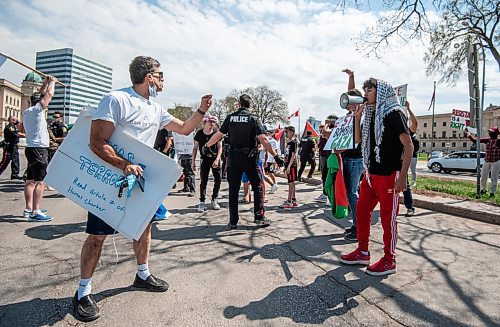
(458, 207)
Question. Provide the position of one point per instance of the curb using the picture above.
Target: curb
(425, 202)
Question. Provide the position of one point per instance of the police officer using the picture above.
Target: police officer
(59, 129)
(12, 135)
(307, 145)
(244, 131)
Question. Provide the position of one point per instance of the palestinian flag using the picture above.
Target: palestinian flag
(335, 186)
(310, 128)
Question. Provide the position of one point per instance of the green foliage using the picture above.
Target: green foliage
(463, 189)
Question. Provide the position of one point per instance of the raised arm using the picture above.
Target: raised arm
(351, 85)
(413, 120)
(188, 126)
(50, 82)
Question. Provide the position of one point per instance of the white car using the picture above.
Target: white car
(456, 161)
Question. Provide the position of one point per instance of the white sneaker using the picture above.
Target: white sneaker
(215, 204)
(327, 203)
(321, 198)
(273, 189)
(26, 213)
(201, 207)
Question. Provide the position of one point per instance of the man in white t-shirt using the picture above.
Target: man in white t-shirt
(133, 109)
(37, 150)
(269, 165)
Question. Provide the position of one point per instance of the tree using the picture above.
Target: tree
(460, 23)
(267, 104)
(180, 112)
(224, 106)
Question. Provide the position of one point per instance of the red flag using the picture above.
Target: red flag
(295, 114)
(310, 128)
(278, 134)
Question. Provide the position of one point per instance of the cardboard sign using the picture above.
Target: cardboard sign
(342, 136)
(401, 93)
(460, 120)
(80, 175)
(183, 144)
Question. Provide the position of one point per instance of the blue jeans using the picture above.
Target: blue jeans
(408, 197)
(353, 168)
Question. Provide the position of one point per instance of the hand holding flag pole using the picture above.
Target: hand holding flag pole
(4, 57)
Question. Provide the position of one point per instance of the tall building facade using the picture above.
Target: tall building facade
(87, 81)
(10, 102)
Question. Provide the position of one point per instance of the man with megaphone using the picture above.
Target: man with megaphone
(387, 150)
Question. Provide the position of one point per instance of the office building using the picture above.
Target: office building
(87, 81)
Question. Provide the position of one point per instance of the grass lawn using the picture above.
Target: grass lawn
(422, 156)
(462, 189)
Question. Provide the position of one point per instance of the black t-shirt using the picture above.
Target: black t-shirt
(161, 139)
(242, 129)
(203, 139)
(416, 143)
(307, 145)
(353, 153)
(391, 148)
(290, 148)
(10, 133)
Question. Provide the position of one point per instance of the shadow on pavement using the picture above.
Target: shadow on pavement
(11, 186)
(52, 232)
(313, 303)
(38, 312)
(54, 196)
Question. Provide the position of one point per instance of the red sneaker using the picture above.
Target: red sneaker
(295, 203)
(382, 267)
(355, 258)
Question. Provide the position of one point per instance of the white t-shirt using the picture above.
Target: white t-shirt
(35, 125)
(274, 145)
(140, 117)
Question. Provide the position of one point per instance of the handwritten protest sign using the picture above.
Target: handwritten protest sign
(401, 93)
(461, 120)
(342, 134)
(183, 144)
(80, 175)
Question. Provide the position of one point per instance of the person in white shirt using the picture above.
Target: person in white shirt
(37, 150)
(269, 162)
(134, 109)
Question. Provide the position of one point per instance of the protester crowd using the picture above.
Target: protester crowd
(246, 154)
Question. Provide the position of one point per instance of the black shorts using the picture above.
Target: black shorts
(37, 163)
(97, 226)
(269, 168)
(292, 177)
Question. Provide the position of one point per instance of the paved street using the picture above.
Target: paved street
(288, 274)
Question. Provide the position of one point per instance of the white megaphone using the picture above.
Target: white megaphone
(346, 99)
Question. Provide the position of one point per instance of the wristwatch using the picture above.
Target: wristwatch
(201, 112)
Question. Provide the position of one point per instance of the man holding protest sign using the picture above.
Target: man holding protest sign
(133, 109)
(387, 150)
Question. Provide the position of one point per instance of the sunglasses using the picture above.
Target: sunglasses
(160, 74)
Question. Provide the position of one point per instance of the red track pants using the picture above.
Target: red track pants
(381, 191)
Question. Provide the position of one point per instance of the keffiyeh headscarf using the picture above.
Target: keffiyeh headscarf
(386, 102)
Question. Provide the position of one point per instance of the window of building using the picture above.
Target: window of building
(453, 144)
(425, 124)
(443, 134)
(424, 144)
(424, 135)
(434, 124)
(433, 144)
(444, 124)
(464, 144)
(443, 144)
(454, 133)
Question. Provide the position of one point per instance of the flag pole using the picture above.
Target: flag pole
(299, 124)
(30, 68)
(433, 107)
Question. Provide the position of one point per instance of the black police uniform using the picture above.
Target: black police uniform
(242, 129)
(307, 145)
(59, 129)
(12, 139)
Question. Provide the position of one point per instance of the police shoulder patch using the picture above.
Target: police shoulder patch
(11, 129)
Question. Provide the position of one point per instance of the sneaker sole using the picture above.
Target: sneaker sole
(151, 289)
(380, 273)
(357, 262)
(40, 220)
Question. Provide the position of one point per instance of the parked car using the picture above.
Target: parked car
(456, 161)
(436, 154)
